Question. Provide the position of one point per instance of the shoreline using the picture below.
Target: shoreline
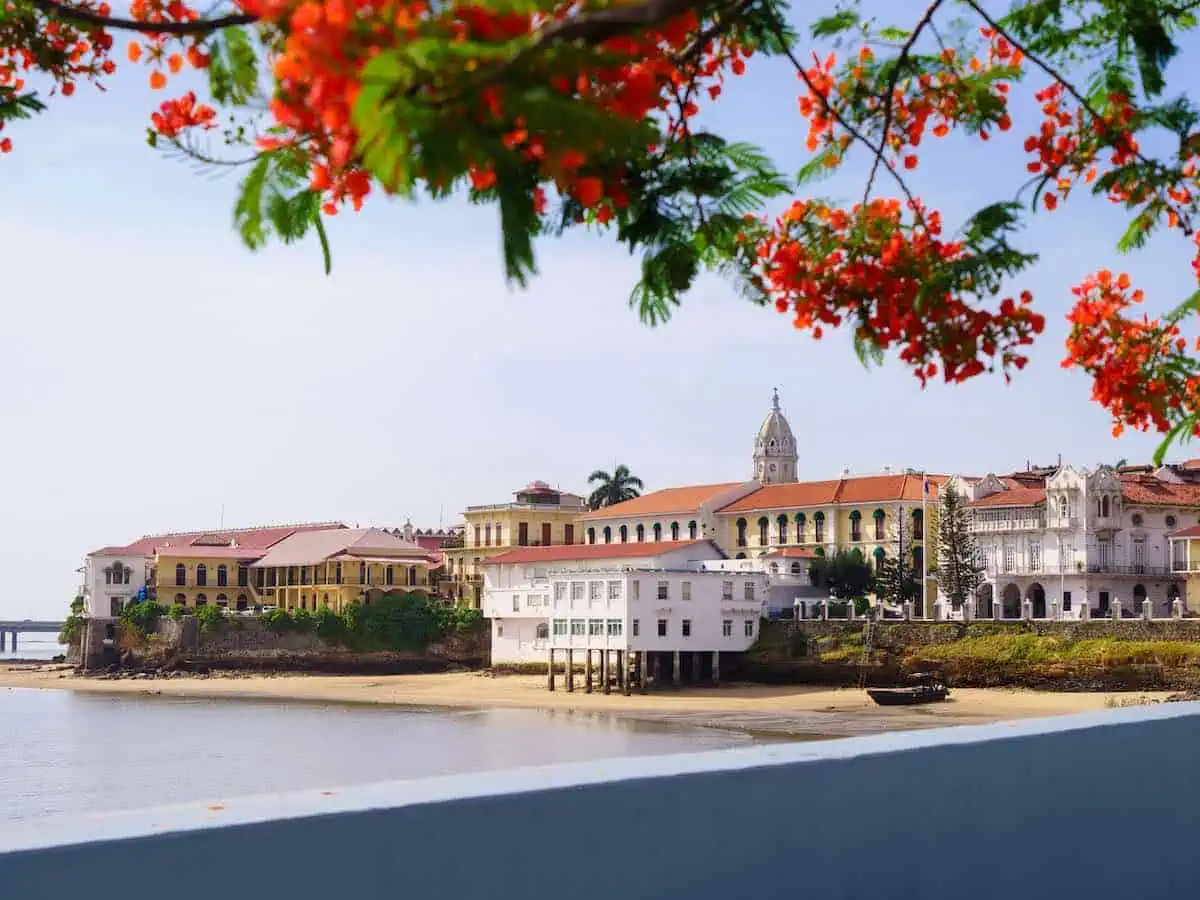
(795, 712)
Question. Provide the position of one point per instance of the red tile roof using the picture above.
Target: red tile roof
(199, 551)
(1193, 532)
(790, 553)
(1016, 496)
(567, 552)
(1149, 491)
(257, 538)
(849, 490)
(678, 500)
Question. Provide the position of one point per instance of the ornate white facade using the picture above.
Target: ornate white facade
(775, 455)
(1079, 539)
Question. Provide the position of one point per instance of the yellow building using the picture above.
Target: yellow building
(539, 517)
(1185, 560)
(313, 569)
(292, 568)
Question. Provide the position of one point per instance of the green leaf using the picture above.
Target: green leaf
(840, 21)
(319, 224)
(232, 67)
(247, 212)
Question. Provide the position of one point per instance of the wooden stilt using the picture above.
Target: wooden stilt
(550, 672)
(604, 670)
(587, 672)
(570, 671)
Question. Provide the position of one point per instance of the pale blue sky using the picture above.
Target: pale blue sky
(152, 369)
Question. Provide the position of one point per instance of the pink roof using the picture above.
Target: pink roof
(258, 538)
(358, 544)
(567, 552)
(199, 551)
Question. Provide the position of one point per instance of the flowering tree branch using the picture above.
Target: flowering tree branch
(71, 13)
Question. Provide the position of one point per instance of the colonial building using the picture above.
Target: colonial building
(873, 515)
(519, 596)
(312, 569)
(213, 567)
(1083, 539)
(540, 516)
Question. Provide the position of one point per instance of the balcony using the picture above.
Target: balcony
(1009, 523)
(1092, 568)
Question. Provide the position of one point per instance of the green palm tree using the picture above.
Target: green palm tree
(618, 487)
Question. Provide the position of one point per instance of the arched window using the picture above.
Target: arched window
(607, 534)
(591, 533)
(222, 576)
(918, 525)
(782, 524)
(389, 575)
(640, 531)
(543, 631)
(222, 600)
(487, 535)
(880, 523)
(741, 532)
(674, 531)
(128, 574)
(692, 532)
(1062, 506)
(819, 529)
(880, 555)
(855, 525)
(856, 554)
(657, 531)
(180, 575)
(624, 532)
(763, 525)
(242, 602)
(201, 575)
(180, 600)
(800, 523)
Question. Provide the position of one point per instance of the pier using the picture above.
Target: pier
(9, 629)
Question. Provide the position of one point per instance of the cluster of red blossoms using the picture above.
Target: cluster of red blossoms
(1142, 373)
(181, 113)
(826, 265)
(932, 101)
(158, 48)
(68, 54)
(329, 42)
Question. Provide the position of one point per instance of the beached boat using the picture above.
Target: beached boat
(925, 688)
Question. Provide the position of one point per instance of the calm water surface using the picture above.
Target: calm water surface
(63, 752)
(33, 646)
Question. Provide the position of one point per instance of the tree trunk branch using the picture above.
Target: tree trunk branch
(68, 12)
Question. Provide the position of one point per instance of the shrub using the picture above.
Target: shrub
(329, 625)
(141, 616)
(176, 610)
(210, 617)
(72, 627)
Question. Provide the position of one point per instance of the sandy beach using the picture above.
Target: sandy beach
(784, 711)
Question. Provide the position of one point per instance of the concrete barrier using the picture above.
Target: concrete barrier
(1025, 810)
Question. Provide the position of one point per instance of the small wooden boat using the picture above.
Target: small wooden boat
(926, 688)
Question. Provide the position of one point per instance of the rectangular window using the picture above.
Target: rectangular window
(726, 590)
(662, 627)
(879, 535)
(635, 590)
(547, 534)
(614, 627)
(748, 626)
(522, 534)
(685, 590)
(1010, 558)
(749, 588)
(595, 628)
(595, 592)
(516, 602)
(578, 627)
(856, 529)
(560, 594)
(727, 627)
(1105, 548)
(614, 590)
(1035, 556)
(1104, 600)
(663, 591)
(568, 534)
(576, 593)
(636, 628)
(560, 627)
(1139, 557)
(532, 600)
(477, 533)
(687, 627)
(1066, 601)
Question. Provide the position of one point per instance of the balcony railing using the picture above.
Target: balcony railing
(1017, 523)
(1093, 568)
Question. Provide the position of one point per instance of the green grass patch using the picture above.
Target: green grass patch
(1001, 649)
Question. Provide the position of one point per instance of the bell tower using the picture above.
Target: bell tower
(775, 448)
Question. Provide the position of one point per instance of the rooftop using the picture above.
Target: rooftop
(667, 501)
(310, 547)
(569, 552)
(257, 537)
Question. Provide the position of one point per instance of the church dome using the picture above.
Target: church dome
(775, 447)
